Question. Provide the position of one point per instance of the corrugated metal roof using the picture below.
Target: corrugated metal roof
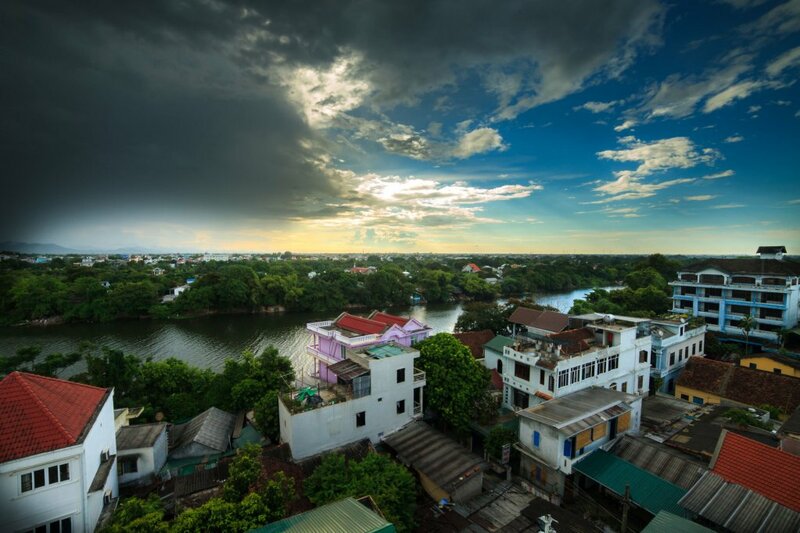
(647, 491)
(576, 406)
(344, 516)
(498, 343)
(737, 508)
(665, 522)
(664, 463)
(591, 421)
(440, 458)
(347, 369)
(213, 428)
(139, 436)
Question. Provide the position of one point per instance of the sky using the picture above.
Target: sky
(626, 126)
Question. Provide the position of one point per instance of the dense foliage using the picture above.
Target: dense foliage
(179, 390)
(118, 289)
(498, 437)
(249, 501)
(646, 292)
(389, 484)
(457, 384)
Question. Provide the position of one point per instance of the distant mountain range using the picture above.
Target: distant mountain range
(55, 249)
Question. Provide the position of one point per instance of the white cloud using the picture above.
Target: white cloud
(788, 59)
(719, 175)
(663, 154)
(735, 92)
(734, 139)
(625, 125)
(700, 197)
(727, 206)
(754, 109)
(794, 202)
(597, 107)
(478, 141)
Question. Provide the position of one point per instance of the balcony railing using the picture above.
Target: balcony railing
(417, 408)
(419, 375)
(320, 329)
(322, 356)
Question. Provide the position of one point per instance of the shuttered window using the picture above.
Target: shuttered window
(624, 422)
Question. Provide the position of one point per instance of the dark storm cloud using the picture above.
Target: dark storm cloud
(122, 105)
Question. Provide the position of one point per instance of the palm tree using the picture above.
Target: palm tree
(746, 324)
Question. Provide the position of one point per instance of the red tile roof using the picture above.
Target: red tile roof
(474, 340)
(388, 319)
(359, 324)
(573, 340)
(771, 472)
(546, 320)
(39, 414)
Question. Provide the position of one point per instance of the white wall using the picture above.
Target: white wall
(325, 428)
(70, 498)
(149, 460)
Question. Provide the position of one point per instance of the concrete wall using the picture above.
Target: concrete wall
(149, 460)
(63, 499)
(768, 365)
(325, 428)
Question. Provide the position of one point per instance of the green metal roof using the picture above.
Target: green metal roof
(344, 516)
(385, 350)
(665, 522)
(498, 343)
(647, 491)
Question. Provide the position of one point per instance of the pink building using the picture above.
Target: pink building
(332, 338)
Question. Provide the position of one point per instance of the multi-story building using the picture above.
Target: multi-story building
(724, 291)
(674, 341)
(556, 435)
(332, 338)
(375, 390)
(600, 351)
(57, 454)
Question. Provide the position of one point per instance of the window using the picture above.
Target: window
(640, 383)
(776, 370)
(700, 346)
(541, 377)
(499, 366)
(698, 400)
(63, 525)
(753, 365)
(588, 370)
(522, 371)
(127, 465)
(38, 478)
(401, 407)
(685, 397)
(563, 378)
(671, 358)
(575, 374)
(401, 375)
(625, 387)
(26, 482)
(536, 439)
(680, 354)
(551, 382)
(613, 386)
(694, 348)
(642, 356)
(601, 366)
(613, 362)
(361, 419)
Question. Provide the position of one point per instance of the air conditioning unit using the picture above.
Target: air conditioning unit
(104, 456)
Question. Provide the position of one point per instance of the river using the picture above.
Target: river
(206, 342)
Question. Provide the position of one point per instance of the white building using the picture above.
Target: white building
(674, 342)
(601, 351)
(57, 454)
(377, 391)
(724, 291)
(142, 451)
(556, 435)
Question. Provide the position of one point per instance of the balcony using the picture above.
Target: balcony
(419, 376)
(417, 408)
(321, 329)
(328, 359)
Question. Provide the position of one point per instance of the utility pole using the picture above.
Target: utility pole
(625, 506)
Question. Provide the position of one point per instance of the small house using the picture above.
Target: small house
(141, 452)
(206, 434)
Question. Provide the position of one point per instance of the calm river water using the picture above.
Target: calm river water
(207, 342)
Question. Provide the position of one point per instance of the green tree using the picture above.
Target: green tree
(243, 472)
(478, 316)
(136, 515)
(36, 297)
(747, 324)
(267, 417)
(387, 482)
(497, 438)
(456, 382)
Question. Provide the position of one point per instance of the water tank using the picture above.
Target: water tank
(608, 319)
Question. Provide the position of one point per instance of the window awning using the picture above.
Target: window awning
(598, 418)
(347, 369)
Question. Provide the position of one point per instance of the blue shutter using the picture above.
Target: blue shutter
(535, 439)
(567, 448)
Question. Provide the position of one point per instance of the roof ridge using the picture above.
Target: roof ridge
(50, 378)
(26, 386)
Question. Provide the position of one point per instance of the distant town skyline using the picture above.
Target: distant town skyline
(620, 127)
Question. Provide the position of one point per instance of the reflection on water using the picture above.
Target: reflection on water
(208, 341)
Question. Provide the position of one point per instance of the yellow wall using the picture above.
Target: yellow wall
(692, 394)
(769, 365)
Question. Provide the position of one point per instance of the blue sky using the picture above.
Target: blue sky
(631, 127)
